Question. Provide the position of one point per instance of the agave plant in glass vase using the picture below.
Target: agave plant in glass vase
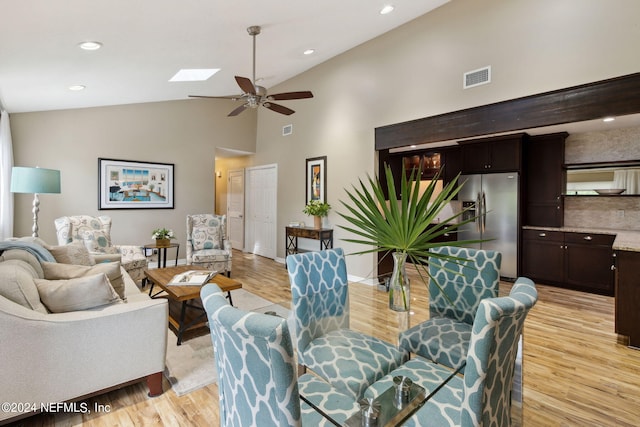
(406, 224)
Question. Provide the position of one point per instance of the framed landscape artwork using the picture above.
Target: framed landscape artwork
(316, 179)
(128, 184)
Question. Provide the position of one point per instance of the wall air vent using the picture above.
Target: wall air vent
(477, 77)
(287, 130)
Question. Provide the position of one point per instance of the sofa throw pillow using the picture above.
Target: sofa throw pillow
(204, 237)
(73, 253)
(82, 293)
(56, 271)
(27, 257)
(17, 284)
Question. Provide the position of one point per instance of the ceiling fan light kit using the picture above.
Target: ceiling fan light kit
(253, 95)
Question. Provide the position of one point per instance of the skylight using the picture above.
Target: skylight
(194, 74)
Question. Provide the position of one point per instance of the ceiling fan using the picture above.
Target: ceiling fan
(253, 95)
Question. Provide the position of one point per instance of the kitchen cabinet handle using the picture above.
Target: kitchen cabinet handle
(613, 268)
(588, 238)
(542, 235)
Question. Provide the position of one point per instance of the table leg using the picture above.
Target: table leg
(163, 258)
(183, 311)
(229, 298)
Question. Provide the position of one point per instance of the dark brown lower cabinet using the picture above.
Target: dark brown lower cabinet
(543, 256)
(581, 261)
(628, 296)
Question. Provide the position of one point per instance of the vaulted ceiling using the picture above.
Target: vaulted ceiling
(145, 42)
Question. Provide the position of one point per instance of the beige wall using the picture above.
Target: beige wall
(416, 71)
(185, 133)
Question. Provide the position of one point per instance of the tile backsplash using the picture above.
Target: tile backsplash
(603, 146)
(622, 212)
(611, 212)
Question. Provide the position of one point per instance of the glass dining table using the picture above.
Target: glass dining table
(391, 408)
(404, 398)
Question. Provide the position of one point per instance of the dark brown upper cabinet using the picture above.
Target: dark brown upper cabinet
(492, 155)
(545, 180)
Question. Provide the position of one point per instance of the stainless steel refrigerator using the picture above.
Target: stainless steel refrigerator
(494, 200)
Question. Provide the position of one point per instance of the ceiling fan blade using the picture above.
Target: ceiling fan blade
(246, 85)
(237, 111)
(278, 108)
(233, 97)
(291, 95)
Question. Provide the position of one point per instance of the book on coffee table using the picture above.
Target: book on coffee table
(192, 278)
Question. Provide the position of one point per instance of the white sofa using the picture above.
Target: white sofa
(57, 357)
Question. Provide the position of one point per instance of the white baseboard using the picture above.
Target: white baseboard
(170, 263)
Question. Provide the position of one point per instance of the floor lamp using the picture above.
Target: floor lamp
(35, 181)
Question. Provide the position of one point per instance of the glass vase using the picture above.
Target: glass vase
(399, 284)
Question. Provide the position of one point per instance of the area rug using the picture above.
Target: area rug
(190, 366)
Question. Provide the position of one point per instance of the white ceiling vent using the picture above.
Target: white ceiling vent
(477, 77)
(287, 130)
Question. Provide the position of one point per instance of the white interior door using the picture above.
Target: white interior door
(261, 210)
(235, 208)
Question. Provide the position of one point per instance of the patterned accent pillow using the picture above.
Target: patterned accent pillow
(97, 241)
(206, 238)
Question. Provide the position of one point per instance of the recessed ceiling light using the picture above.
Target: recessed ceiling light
(387, 9)
(77, 88)
(608, 119)
(90, 45)
(309, 51)
(194, 74)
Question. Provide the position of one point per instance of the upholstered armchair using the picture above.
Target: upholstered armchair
(257, 382)
(444, 338)
(349, 360)
(95, 234)
(482, 396)
(207, 242)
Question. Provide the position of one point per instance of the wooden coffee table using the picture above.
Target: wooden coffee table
(185, 297)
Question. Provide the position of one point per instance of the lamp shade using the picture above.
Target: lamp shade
(35, 180)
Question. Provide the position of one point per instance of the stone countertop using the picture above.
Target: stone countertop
(625, 240)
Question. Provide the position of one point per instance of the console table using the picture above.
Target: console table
(324, 235)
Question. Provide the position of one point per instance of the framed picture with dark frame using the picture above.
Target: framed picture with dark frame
(129, 184)
(316, 179)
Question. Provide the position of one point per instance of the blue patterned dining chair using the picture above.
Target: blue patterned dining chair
(444, 338)
(256, 367)
(482, 397)
(347, 359)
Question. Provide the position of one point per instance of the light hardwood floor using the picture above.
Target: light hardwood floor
(577, 372)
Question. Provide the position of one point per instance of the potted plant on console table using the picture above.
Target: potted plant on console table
(406, 226)
(318, 210)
